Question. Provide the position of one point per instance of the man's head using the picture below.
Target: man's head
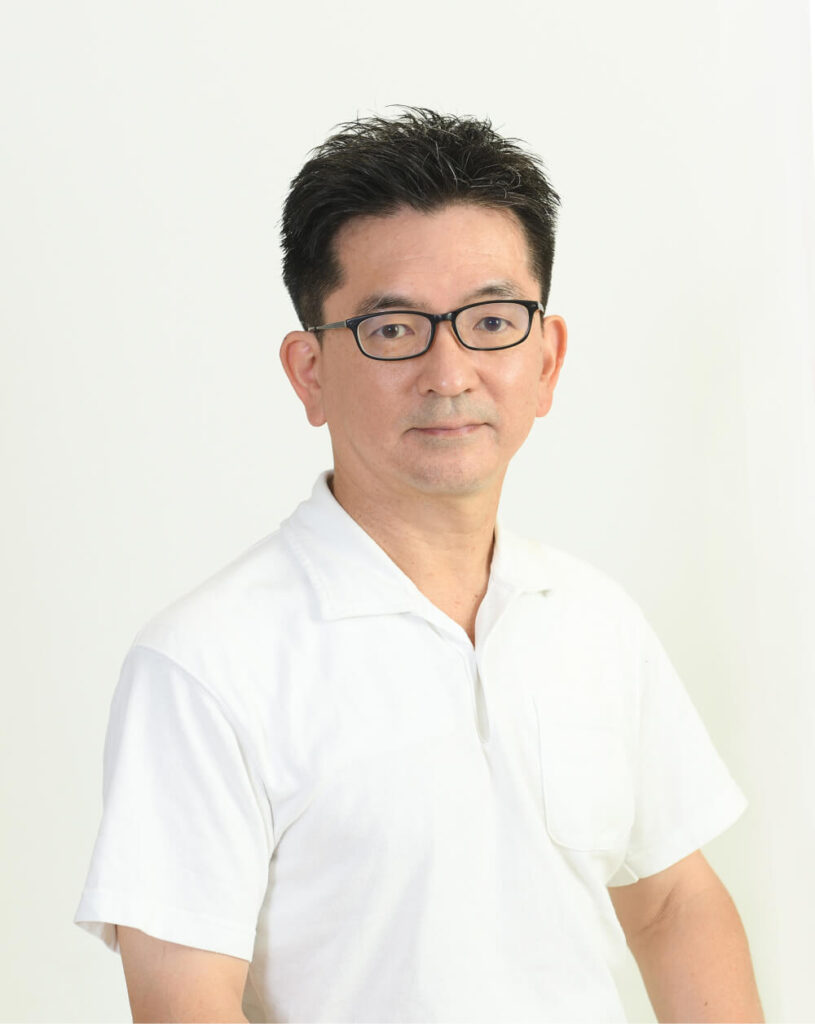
(425, 213)
(422, 160)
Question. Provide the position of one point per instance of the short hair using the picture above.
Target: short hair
(423, 160)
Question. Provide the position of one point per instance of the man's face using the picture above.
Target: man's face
(389, 421)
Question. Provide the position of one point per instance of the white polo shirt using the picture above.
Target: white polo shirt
(309, 766)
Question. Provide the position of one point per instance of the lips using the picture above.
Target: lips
(451, 429)
(448, 426)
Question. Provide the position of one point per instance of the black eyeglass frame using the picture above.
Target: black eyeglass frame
(532, 305)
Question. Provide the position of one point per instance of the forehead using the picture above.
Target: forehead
(433, 257)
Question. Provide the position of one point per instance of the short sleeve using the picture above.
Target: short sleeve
(685, 795)
(185, 840)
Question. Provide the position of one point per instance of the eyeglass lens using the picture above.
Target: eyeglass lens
(489, 325)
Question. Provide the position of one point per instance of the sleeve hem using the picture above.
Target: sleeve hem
(661, 855)
(100, 910)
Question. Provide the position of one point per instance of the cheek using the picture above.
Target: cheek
(517, 405)
(360, 405)
(519, 393)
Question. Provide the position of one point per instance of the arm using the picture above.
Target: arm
(686, 935)
(170, 982)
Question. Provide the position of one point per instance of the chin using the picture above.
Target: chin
(450, 479)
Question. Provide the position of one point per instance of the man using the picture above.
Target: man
(395, 763)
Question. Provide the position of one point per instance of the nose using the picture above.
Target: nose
(447, 368)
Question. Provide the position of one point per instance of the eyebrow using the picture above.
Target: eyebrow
(504, 289)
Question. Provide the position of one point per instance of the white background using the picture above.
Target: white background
(149, 434)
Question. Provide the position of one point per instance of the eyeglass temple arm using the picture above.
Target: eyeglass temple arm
(325, 327)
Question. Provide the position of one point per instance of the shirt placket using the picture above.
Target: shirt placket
(474, 658)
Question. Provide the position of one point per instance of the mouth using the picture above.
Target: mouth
(451, 430)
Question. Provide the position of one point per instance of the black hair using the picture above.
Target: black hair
(423, 160)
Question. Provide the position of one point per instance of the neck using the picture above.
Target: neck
(443, 543)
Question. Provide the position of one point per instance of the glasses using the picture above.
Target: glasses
(405, 333)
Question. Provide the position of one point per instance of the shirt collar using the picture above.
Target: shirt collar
(352, 575)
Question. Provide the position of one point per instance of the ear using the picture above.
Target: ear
(302, 358)
(554, 352)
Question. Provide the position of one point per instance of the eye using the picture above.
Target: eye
(392, 331)
(492, 324)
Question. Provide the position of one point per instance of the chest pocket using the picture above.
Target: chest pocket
(588, 794)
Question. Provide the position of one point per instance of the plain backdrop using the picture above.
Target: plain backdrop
(149, 435)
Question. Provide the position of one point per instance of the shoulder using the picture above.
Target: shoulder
(579, 625)
(216, 628)
(570, 581)
(589, 627)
